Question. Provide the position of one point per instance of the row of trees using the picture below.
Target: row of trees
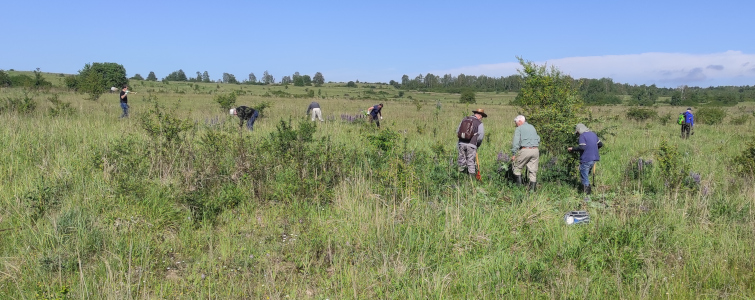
(267, 78)
(593, 91)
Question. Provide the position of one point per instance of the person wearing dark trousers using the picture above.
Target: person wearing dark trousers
(589, 143)
(124, 101)
(245, 114)
(374, 112)
(689, 122)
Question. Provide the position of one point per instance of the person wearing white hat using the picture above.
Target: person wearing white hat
(525, 152)
(589, 143)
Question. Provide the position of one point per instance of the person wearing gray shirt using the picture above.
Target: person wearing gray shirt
(524, 151)
(467, 146)
(315, 108)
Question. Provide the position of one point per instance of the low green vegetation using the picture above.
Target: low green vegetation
(177, 202)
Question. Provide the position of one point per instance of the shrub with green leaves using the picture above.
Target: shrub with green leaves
(264, 105)
(226, 101)
(641, 114)
(673, 169)
(745, 162)
(710, 115)
(467, 96)
(740, 120)
(24, 104)
(59, 108)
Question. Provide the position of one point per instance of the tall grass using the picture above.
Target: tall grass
(177, 202)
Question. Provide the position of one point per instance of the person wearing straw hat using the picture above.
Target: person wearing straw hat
(247, 114)
(589, 143)
(470, 132)
(524, 151)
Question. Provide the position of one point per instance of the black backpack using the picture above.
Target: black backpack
(467, 129)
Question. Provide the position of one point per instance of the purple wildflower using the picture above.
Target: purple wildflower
(695, 177)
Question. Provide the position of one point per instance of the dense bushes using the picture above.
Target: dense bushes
(641, 113)
(23, 104)
(710, 115)
(226, 101)
(745, 162)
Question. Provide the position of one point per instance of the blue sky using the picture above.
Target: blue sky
(667, 43)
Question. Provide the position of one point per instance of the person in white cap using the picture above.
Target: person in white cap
(589, 143)
(247, 114)
(525, 152)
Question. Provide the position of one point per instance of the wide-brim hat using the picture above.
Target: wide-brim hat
(481, 112)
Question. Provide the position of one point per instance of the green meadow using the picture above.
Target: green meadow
(177, 202)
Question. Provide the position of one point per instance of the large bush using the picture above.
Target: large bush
(96, 78)
(467, 96)
(641, 114)
(710, 115)
(550, 103)
(226, 101)
(746, 161)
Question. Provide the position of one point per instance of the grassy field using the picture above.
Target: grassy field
(176, 202)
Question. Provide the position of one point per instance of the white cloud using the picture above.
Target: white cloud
(662, 69)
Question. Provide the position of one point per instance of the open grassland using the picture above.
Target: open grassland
(176, 202)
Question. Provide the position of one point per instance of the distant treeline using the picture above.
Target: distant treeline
(593, 91)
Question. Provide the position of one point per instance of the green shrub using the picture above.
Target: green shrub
(385, 140)
(467, 96)
(665, 119)
(745, 162)
(641, 114)
(740, 120)
(59, 108)
(710, 116)
(672, 168)
(226, 101)
(264, 105)
(23, 105)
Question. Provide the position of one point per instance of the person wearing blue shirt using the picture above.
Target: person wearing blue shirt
(689, 122)
(589, 143)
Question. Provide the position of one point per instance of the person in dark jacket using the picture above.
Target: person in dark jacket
(589, 143)
(247, 114)
(689, 122)
(374, 112)
(124, 101)
(316, 112)
(468, 146)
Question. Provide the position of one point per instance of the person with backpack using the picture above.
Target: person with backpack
(589, 143)
(524, 151)
(247, 114)
(687, 120)
(470, 132)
